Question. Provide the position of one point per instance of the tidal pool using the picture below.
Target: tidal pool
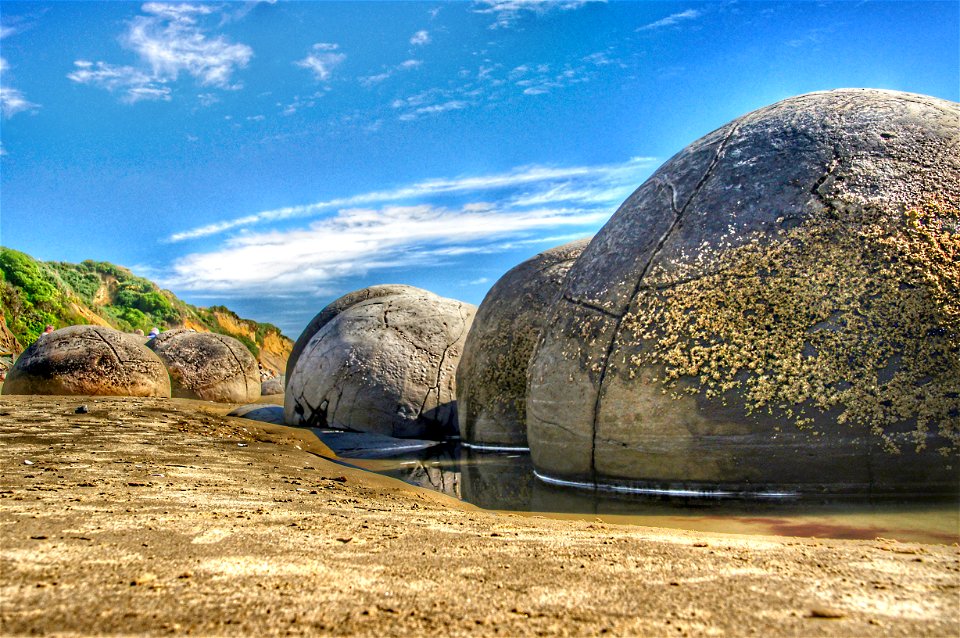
(506, 481)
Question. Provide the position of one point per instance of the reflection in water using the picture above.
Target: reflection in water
(506, 481)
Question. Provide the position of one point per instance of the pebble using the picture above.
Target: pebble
(83, 409)
(826, 612)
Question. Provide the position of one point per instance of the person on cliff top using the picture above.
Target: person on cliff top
(154, 332)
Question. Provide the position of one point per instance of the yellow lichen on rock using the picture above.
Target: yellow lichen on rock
(855, 311)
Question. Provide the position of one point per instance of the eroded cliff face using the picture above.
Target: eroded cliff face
(8, 342)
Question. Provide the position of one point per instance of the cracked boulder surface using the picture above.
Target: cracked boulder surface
(207, 366)
(492, 376)
(88, 360)
(775, 308)
(381, 361)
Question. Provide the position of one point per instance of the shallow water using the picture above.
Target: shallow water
(506, 481)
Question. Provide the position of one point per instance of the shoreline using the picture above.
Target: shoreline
(159, 516)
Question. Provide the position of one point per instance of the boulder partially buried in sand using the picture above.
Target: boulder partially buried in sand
(88, 360)
(380, 360)
(492, 376)
(208, 366)
(776, 307)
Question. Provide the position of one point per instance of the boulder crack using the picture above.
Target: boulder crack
(590, 306)
(677, 217)
(443, 356)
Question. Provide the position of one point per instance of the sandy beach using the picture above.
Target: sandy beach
(156, 516)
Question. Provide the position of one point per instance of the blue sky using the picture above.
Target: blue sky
(272, 156)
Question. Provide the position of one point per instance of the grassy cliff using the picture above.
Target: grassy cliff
(35, 293)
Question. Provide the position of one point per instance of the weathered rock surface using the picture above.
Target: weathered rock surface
(88, 360)
(208, 366)
(273, 385)
(492, 376)
(380, 360)
(775, 307)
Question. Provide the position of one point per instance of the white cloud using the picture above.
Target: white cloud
(406, 65)
(322, 61)
(670, 20)
(170, 41)
(12, 101)
(507, 12)
(604, 184)
(420, 38)
(135, 84)
(359, 240)
(434, 109)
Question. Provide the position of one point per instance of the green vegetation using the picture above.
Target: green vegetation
(34, 294)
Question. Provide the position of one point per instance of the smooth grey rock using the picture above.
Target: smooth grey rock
(381, 360)
(208, 366)
(331, 311)
(763, 302)
(273, 385)
(492, 376)
(264, 412)
(88, 360)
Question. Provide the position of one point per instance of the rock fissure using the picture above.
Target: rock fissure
(246, 384)
(678, 215)
(443, 356)
(120, 360)
(590, 306)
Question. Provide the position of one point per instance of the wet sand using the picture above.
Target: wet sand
(149, 516)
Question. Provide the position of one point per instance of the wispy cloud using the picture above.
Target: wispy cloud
(670, 20)
(323, 60)
(603, 184)
(359, 240)
(434, 109)
(12, 101)
(420, 38)
(406, 65)
(170, 41)
(507, 12)
(135, 85)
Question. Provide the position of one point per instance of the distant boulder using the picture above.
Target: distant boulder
(380, 360)
(88, 360)
(273, 385)
(208, 366)
(492, 376)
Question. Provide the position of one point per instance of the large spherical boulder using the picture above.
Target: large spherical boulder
(88, 360)
(775, 308)
(492, 376)
(208, 366)
(381, 360)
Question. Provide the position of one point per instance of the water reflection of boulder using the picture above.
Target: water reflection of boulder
(438, 470)
(497, 481)
(366, 445)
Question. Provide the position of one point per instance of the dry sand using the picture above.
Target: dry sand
(147, 516)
